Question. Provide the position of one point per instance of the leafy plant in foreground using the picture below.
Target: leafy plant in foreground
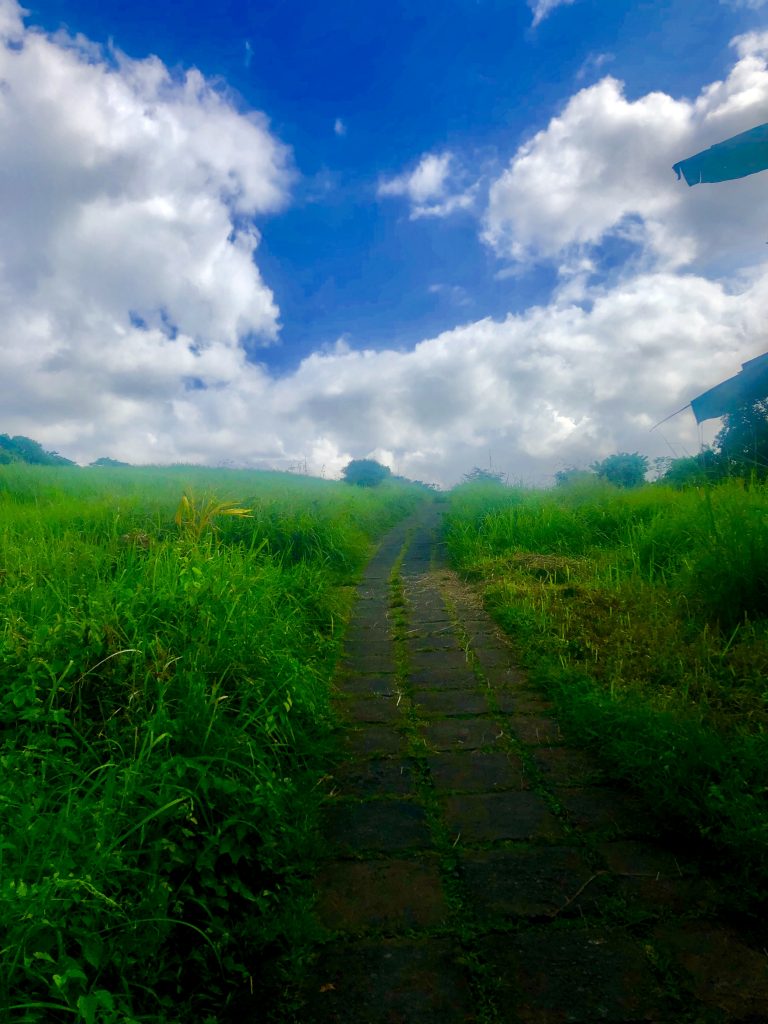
(194, 518)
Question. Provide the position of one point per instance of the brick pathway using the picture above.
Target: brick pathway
(478, 868)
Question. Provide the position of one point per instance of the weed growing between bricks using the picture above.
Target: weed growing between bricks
(461, 923)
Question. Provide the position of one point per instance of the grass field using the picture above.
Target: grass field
(645, 614)
(167, 641)
(164, 710)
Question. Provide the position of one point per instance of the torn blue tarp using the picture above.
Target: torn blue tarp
(749, 385)
(744, 154)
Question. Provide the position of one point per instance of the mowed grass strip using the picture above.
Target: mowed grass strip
(645, 614)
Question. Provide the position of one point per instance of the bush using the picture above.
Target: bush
(623, 469)
(365, 472)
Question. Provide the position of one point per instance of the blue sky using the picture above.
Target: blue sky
(421, 186)
(470, 75)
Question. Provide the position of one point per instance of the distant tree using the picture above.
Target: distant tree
(108, 463)
(623, 469)
(706, 467)
(483, 476)
(742, 443)
(24, 449)
(571, 475)
(365, 472)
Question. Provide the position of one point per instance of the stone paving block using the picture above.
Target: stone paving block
(460, 733)
(372, 661)
(415, 567)
(510, 678)
(474, 771)
(471, 621)
(425, 591)
(438, 662)
(478, 633)
(652, 879)
(387, 894)
(368, 645)
(515, 702)
(436, 642)
(378, 826)
(369, 610)
(378, 571)
(629, 856)
(374, 739)
(370, 618)
(564, 766)
(363, 634)
(379, 709)
(379, 776)
(614, 812)
(451, 702)
(533, 730)
(579, 976)
(525, 882)
(492, 657)
(388, 983)
(441, 638)
(365, 686)
(717, 968)
(424, 616)
(492, 817)
(454, 679)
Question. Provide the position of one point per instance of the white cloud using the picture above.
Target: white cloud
(339, 127)
(127, 195)
(456, 294)
(750, 5)
(551, 386)
(435, 187)
(593, 63)
(427, 181)
(602, 169)
(542, 8)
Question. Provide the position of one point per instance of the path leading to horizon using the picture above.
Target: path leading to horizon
(479, 867)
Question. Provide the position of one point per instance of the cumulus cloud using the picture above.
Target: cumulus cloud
(554, 385)
(602, 169)
(126, 257)
(432, 187)
(339, 127)
(542, 8)
(130, 298)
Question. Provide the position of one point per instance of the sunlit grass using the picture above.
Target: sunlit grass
(646, 613)
(164, 708)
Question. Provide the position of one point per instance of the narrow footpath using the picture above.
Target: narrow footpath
(481, 869)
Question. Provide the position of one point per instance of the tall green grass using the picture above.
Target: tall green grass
(163, 715)
(646, 613)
